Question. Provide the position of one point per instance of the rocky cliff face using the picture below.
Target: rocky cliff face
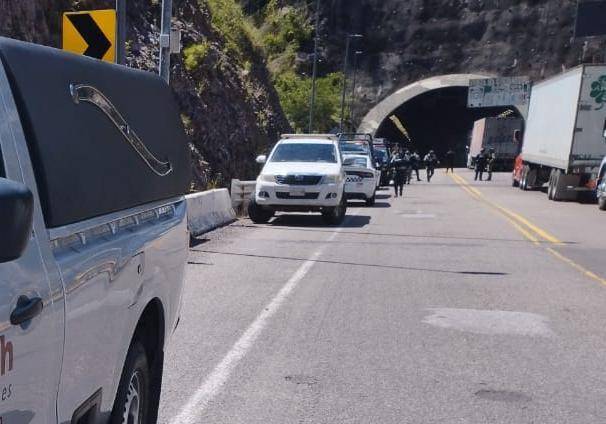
(405, 41)
(229, 107)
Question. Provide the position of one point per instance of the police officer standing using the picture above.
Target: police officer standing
(491, 160)
(398, 166)
(414, 163)
(481, 161)
(408, 164)
(431, 160)
(450, 158)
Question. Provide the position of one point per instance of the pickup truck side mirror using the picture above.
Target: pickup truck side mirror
(16, 219)
(261, 159)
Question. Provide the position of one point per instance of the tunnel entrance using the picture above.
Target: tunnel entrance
(437, 119)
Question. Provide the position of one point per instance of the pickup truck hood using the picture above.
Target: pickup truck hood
(289, 168)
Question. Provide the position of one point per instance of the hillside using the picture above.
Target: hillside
(229, 107)
(407, 41)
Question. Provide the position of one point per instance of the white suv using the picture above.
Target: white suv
(303, 173)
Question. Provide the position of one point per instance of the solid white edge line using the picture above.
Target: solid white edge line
(214, 382)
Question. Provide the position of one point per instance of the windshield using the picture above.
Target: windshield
(304, 152)
(353, 147)
(381, 155)
(357, 162)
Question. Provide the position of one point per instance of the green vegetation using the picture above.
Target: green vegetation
(280, 33)
(229, 20)
(294, 91)
(194, 55)
(283, 32)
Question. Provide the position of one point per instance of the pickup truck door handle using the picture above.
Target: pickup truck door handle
(26, 309)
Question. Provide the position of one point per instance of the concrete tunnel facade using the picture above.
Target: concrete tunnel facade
(435, 113)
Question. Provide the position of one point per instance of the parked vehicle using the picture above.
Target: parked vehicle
(93, 167)
(303, 173)
(601, 186)
(360, 144)
(383, 159)
(362, 178)
(497, 134)
(564, 137)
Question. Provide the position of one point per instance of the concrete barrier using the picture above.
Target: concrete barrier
(241, 192)
(207, 210)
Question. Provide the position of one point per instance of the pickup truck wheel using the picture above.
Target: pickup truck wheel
(336, 215)
(602, 203)
(257, 214)
(371, 200)
(132, 399)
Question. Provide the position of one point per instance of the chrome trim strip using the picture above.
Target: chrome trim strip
(110, 219)
(88, 93)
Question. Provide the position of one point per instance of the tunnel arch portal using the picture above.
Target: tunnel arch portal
(434, 115)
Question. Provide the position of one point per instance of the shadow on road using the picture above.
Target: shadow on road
(288, 220)
(418, 236)
(196, 241)
(354, 204)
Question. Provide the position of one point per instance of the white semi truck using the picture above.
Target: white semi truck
(564, 139)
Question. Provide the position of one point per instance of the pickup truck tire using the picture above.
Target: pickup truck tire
(602, 203)
(132, 400)
(257, 214)
(371, 200)
(336, 215)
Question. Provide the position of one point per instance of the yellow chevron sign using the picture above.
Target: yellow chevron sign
(91, 33)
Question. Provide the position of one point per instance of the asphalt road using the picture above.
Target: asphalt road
(462, 302)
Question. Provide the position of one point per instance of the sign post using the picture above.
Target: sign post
(91, 33)
(494, 92)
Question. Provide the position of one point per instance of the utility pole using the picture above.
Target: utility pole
(165, 23)
(353, 89)
(347, 43)
(121, 32)
(312, 101)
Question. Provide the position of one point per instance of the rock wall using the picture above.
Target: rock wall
(230, 110)
(409, 40)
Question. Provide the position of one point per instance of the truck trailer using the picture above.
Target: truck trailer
(498, 134)
(564, 139)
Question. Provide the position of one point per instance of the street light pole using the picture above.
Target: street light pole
(312, 101)
(164, 68)
(121, 32)
(347, 43)
(353, 89)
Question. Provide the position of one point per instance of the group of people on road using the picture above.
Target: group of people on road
(404, 163)
(484, 162)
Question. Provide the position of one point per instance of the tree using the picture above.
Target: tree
(295, 91)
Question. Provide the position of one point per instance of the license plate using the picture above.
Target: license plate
(297, 193)
(360, 184)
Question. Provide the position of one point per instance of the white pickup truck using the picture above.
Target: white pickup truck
(93, 237)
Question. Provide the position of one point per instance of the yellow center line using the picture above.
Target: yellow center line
(578, 267)
(539, 231)
(478, 195)
(510, 216)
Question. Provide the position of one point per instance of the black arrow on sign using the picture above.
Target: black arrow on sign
(98, 44)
